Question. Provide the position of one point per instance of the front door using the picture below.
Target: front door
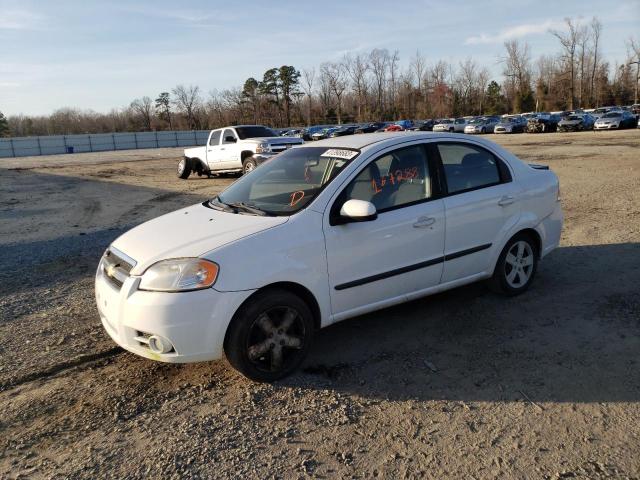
(214, 155)
(379, 262)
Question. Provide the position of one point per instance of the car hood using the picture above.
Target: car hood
(189, 232)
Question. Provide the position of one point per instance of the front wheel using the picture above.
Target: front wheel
(516, 266)
(270, 336)
(184, 168)
(249, 165)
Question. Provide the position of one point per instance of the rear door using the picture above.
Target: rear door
(481, 204)
(214, 155)
(382, 261)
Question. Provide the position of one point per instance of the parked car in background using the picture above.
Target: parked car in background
(543, 122)
(324, 133)
(342, 131)
(369, 127)
(254, 272)
(616, 120)
(511, 124)
(599, 112)
(405, 124)
(576, 122)
(423, 126)
(394, 128)
(481, 125)
(459, 124)
(444, 125)
(234, 149)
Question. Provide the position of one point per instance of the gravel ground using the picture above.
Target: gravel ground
(464, 384)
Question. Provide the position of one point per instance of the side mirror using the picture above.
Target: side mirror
(358, 211)
(230, 139)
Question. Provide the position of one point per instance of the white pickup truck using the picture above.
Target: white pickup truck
(234, 149)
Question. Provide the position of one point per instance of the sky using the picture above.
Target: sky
(102, 55)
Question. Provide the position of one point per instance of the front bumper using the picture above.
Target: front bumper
(571, 128)
(606, 126)
(194, 323)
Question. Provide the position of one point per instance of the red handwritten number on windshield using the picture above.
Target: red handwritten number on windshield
(296, 197)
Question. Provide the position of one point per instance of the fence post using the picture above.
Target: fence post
(113, 139)
(176, 133)
(157, 144)
(135, 138)
(13, 150)
(195, 138)
(90, 143)
(39, 146)
(64, 140)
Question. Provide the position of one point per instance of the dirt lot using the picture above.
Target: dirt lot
(465, 384)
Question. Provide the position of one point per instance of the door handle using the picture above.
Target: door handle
(424, 222)
(506, 200)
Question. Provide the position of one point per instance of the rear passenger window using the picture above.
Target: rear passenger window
(467, 167)
(215, 138)
(395, 179)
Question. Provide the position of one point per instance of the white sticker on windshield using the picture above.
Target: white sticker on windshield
(339, 153)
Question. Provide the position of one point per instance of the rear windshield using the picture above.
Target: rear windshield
(253, 132)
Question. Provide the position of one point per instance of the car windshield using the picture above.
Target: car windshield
(445, 121)
(612, 115)
(287, 183)
(477, 121)
(574, 117)
(253, 132)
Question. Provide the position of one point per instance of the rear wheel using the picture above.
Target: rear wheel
(516, 266)
(184, 168)
(270, 336)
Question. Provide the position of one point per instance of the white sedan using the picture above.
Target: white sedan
(321, 233)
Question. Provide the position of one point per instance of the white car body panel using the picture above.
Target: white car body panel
(304, 249)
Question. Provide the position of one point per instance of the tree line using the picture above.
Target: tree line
(374, 86)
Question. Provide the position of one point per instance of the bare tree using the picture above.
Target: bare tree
(517, 68)
(336, 78)
(569, 41)
(143, 107)
(308, 77)
(187, 100)
(394, 60)
(419, 69)
(357, 68)
(596, 30)
(634, 47)
(482, 78)
(379, 61)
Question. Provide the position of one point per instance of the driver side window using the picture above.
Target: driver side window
(397, 178)
(228, 135)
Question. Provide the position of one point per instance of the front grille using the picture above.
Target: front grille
(279, 147)
(116, 267)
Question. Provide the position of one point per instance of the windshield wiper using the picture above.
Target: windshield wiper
(248, 208)
(218, 205)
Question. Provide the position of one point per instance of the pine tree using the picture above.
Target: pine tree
(4, 126)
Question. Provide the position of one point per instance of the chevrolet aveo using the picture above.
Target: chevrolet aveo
(321, 233)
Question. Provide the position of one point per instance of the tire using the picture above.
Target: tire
(184, 168)
(258, 343)
(249, 165)
(521, 252)
(451, 130)
(482, 131)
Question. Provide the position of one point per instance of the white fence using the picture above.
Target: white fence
(100, 142)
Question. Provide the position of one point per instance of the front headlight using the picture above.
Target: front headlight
(179, 275)
(263, 148)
